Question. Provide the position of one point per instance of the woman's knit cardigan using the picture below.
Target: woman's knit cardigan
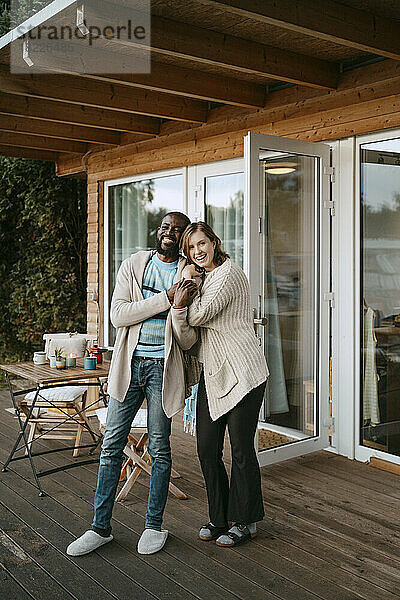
(233, 360)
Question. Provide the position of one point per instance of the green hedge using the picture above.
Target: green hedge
(42, 257)
(21, 10)
(4, 17)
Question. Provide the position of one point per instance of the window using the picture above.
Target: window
(220, 202)
(224, 196)
(134, 207)
(133, 211)
(380, 296)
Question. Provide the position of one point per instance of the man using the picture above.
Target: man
(147, 363)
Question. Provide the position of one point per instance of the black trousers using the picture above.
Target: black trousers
(241, 500)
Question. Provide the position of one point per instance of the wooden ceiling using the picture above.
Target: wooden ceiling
(204, 54)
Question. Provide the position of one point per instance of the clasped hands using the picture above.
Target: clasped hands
(183, 292)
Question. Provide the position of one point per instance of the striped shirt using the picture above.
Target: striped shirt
(158, 276)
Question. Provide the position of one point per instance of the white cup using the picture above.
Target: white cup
(39, 358)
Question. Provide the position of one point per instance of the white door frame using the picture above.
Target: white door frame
(344, 276)
(253, 143)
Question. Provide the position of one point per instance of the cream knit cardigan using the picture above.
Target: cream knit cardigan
(234, 362)
(128, 310)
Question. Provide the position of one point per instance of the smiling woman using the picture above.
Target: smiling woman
(231, 385)
(201, 250)
(201, 245)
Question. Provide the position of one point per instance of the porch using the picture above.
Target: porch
(331, 531)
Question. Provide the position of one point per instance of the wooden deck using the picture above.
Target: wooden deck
(331, 531)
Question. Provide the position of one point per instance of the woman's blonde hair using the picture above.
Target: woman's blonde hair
(220, 255)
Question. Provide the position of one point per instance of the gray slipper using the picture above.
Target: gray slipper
(88, 542)
(152, 541)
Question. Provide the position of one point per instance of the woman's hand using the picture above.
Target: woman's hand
(194, 274)
(189, 272)
(185, 292)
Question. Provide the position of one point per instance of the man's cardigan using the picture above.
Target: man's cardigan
(128, 311)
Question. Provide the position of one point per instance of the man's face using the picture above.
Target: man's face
(169, 234)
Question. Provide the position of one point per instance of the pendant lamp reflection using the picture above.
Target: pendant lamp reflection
(280, 168)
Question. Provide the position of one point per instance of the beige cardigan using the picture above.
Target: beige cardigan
(128, 310)
(234, 362)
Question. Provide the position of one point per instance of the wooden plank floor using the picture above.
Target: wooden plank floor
(331, 531)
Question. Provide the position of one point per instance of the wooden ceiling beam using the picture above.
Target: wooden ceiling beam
(76, 90)
(244, 56)
(327, 20)
(69, 165)
(63, 131)
(23, 140)
(133, 138)
(162, 78)
(207, 47)
(48, 110)
(28, 153)
(193, 84)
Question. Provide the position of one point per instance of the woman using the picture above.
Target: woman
(231, 386)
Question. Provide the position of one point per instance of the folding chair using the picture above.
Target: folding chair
(137, 456)
(50, 423)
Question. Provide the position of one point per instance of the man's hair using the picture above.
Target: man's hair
(220, 255)
(182, 216)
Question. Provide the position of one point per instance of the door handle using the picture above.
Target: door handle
(261, 321)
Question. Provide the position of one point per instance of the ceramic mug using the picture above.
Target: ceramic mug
(90, 363)
(52, 360)
(39, 358)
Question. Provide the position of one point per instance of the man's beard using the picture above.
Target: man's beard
(167, 252)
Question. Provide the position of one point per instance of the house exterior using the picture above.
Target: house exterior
(279, 124)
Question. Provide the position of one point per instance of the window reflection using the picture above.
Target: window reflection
(224, 201)
(289, 296)
(380, 284)
(135, 211)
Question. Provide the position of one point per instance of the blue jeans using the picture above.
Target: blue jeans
(146, 382)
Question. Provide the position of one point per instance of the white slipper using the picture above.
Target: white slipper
(88, 542)
(152, 541)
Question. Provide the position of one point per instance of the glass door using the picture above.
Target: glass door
(287, 256)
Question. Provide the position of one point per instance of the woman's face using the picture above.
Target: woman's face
(201, 250)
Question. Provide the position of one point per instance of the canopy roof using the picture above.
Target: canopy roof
(205, 54)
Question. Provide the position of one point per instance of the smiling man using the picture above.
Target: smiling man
(147, 363)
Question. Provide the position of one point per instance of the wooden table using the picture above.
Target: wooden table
(45, 377)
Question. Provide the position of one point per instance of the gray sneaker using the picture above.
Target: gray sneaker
(88, 542)
(152, 541)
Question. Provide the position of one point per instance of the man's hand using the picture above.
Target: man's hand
(171, 291)
(185, 292)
